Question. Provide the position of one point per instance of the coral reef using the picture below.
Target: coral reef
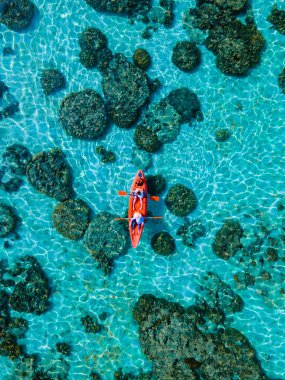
(277, 19)
(186, 56)
(120, 375)
(8, 50)
(17, 15)
(180, 200)
(237, 45)
(32, 291)
(106, 239)
(107, 156)
(186, 103)
(130, 7)
(219, 295)
(141, 159)
(281, 80)
(163, 243)
(91, 324)
(49, 173)
(190, 348)
(71, 218)
(228, 239)
(8, 220)
(156, 184)
(63, 348)
(126, 90)
(190, 231)
(141, 58)
(16, 157)
(222, 135)
(52, 80)
(146, 139)
(83, 114)
(9, 105)
(93, 44)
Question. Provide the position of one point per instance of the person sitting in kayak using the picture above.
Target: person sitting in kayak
(137, 219)
(138, 194)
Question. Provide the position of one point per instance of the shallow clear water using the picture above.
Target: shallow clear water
(231, 179)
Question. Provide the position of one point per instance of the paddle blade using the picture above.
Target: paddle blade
(154, 198)
(122, 193)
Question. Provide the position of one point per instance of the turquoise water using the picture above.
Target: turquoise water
(243, 177)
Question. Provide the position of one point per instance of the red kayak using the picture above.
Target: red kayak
(138, 185)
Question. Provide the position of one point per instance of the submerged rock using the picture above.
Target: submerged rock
(93, 44)
(126, 90)
(188, 351)
(106, 239)
(8, 220)
(156, 184)
(83, 114)
(186, 56)
(32, 291)
(186, 103)
(277, 19)
(190, 231)
(130, 8)
(63, 348)
(52, 80)
(238, 46)
(228, 239)
(16, 158)
(222, 135)
(49, 173)
(71, 218)
(281, 80)
(180, 200)
(91, 324)
(141, 58)
(107, 156)
(17, 15)
(163, 243)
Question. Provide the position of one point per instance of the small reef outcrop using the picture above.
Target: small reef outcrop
(186, 56)
(180, 200)
(52, 80)
(190, 231)
(49, 173)
(17, 15)
(8, 220)
(163, 243)
(106, 239)
(277, 19)
(83, 114)
(71, 218)
(228, 239)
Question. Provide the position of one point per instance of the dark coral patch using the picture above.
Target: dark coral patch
(52, 80)
(186, 56)
(180, 200)
(277, 19)
(130, 8)
(163, 243)
(17, 15)
(32, 291)
(16, 157)
(106, 239)
(91, 324)
(190, 231)
(281, 80)
(189, 344)
(83, 114)
(227, 240)
(156, 184)
(141, 58)
(49, 173)
(8, 220)
(126, 90)
(71, 218)
(222, 134)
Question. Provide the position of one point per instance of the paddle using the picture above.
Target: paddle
(146, 217)
(152, 197)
